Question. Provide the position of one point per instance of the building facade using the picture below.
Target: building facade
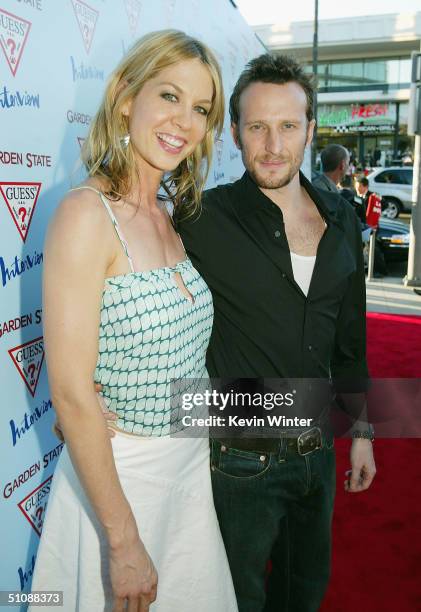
(364, 73)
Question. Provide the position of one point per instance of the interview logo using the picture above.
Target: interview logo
(13, 35)
(218, 172)
(86, 17)
(28, 359)
(133, 8)
(34, 505)
(21, 199)
(219, 147)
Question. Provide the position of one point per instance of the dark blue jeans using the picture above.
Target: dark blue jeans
(276, 506)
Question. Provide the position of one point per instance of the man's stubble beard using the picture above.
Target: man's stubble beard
(272, 183)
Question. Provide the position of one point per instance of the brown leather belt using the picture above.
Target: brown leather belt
(306, 442)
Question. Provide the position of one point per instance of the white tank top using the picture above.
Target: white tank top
(302, 268)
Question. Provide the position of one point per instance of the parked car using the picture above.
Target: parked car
(392, 242)
(393, 238)
(394, 185)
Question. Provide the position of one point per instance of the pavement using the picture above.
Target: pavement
(389, 294)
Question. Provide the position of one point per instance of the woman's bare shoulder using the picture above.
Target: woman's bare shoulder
(82, 207)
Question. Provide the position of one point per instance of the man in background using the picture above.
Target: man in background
(363, 191)
(335, 163)
(360, 204)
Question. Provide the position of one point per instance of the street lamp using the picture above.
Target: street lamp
(413, 277)
(315, 60)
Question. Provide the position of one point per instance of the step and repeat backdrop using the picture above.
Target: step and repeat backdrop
(55, 58)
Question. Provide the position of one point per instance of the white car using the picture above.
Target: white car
(394, 185)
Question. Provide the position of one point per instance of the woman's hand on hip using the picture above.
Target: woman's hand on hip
(110, 417)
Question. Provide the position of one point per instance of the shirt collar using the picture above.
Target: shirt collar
(251, 199)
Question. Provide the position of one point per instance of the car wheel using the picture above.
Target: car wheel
(392, 209)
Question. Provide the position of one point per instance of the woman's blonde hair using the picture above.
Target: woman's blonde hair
(108, 157)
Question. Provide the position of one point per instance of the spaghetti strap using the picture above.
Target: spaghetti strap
(114, 221)
(86, 187)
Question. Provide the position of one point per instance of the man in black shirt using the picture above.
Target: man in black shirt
(256, 243)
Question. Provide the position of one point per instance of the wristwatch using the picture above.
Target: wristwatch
(368, 434)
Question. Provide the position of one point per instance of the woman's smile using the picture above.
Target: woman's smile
(171, 144)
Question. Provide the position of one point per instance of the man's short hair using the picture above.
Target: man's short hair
(332, 156)
(278, 69)
(362, 180)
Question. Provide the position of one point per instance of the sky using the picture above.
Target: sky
(258, 12)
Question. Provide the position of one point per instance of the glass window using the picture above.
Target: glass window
(392, 70)
(406, 176)
(398, 177)
(374, 72)
(323, 75)
(405, 70)
(403, 113)
(346, 73)
(388, 176)
(370, 74)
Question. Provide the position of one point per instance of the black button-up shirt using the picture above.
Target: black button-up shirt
(264, 325)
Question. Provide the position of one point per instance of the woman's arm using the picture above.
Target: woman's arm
(78, 251)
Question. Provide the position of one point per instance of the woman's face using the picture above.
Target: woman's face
(168, 117)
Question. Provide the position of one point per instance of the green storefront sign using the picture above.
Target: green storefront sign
(353, 115)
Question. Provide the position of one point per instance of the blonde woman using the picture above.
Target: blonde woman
(131, 521)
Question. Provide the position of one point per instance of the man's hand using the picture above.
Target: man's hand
(363, 466)
(111, 417)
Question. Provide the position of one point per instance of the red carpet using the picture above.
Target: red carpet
(377, 534)
(394, 345)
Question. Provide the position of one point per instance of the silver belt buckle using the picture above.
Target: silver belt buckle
(309, 441)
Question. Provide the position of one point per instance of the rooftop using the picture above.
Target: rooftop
(346, 37)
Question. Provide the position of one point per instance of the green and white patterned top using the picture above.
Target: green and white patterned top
(151, 334)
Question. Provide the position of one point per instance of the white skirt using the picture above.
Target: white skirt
(167, 483)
